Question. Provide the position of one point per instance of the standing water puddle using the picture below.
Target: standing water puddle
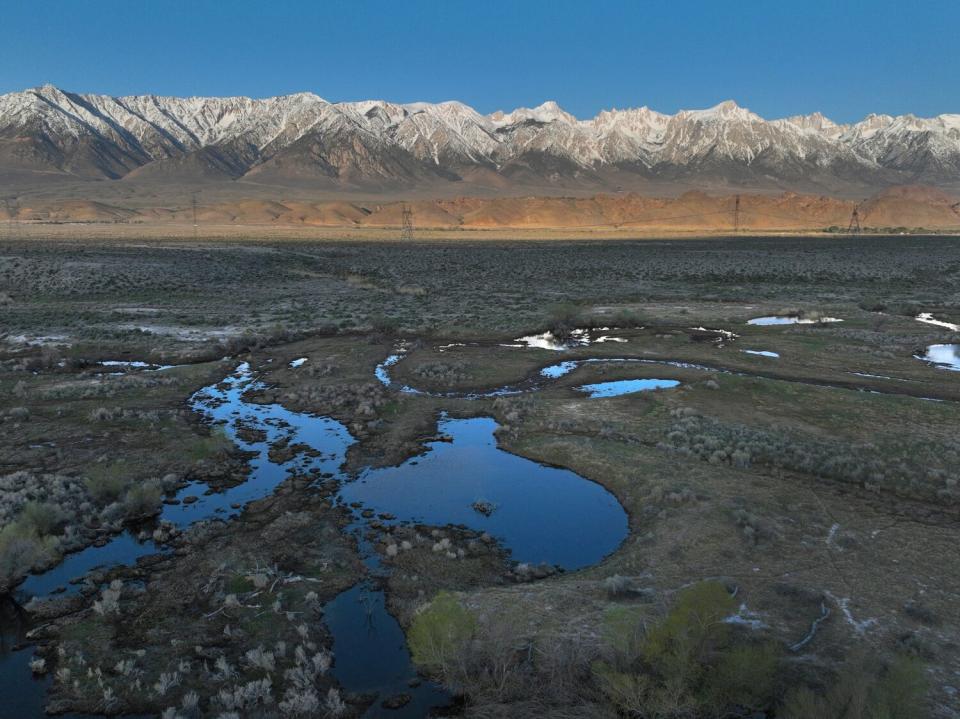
(943, 356)
(615, 388)
(791, 320)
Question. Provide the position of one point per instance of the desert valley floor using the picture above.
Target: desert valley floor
(294, 477)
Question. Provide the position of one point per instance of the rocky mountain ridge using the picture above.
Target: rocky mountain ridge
(380, 145)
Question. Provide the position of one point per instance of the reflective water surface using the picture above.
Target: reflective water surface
(615, 388)
(542, 514)
(790, 320)
(944, 356)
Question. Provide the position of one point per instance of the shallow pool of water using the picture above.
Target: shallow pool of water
(21, 694)
(761, 353)
(542, 513)
(615, 388)
(371, 655)
(556, 371)
(125, 548)
(790, 320)
(136, 364)
(943, 356)
(369, 646)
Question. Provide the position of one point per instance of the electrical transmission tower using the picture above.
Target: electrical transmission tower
(195, 227)
(854, 227)
(11, 208)
(406, 226)
(736, 214)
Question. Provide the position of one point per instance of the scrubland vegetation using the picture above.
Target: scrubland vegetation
(929, 472)
(791, 545)
(691, 659)
(64, 485)
(237, 629)
(141, 294)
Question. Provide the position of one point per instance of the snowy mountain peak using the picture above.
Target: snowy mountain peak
(813, 121)
(728, 110)
(548, 111)
(378, 142)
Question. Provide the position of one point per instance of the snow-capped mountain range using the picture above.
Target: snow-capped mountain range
(373, 144)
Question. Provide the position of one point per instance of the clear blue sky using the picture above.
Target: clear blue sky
(777, 57)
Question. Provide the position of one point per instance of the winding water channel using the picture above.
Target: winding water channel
(942, 356)
(575, 523)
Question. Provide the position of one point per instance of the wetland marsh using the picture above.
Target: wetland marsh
(356, 479)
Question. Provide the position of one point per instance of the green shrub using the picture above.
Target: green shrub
(744, 676)
(384, 324)
(42, 518)
(106, 483)
(623, 631)
(208, 447)
(687, 663)
(143, 500)
(440, 632)
(864, 690)
(238, 584)
(20, 550)
(629, 692)
(901, 691)
(694, 626)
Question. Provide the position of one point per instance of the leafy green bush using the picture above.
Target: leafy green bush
(106, 483)
(207, 447)
(384, 324)
(744, 676)
(42, 518)
(440, 632)
(143, 500)
(686, 664)
(864, 690)
(20, 550)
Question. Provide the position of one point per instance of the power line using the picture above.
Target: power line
(738, 212)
